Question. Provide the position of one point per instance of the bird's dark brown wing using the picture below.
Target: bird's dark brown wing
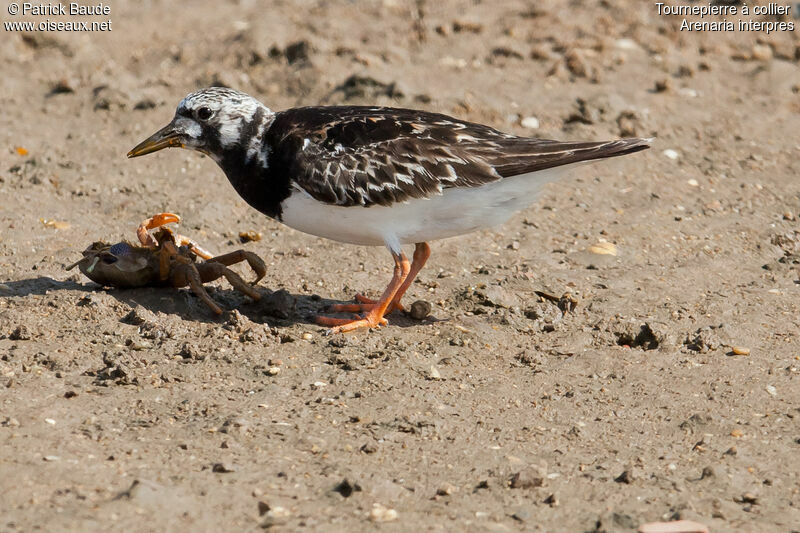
(353, 155)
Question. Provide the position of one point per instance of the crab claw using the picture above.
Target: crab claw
(155, 221)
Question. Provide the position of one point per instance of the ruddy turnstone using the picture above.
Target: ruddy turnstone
(371, 175)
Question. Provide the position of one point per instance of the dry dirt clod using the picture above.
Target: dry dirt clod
(420, 310)
(20, 333)
(223, 468)
(527, 478)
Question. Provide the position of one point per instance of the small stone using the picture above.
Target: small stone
(788, 215)
(603, 248)
(532, 123)
(772, 391)
(625, 477)
(740, 350)
(737, 433)
(747, 497)
(298, 52)
(51, 458)
(708, 472)
(318, 384)
(273, 371)
(552, 500)
(671, 154)
(50, 421)
(20, 333)
(731, 451)
(663, 85)
(263, 508)
(626, 44)
(420, 310)
(677, 526)
(280, 304)
(223, 468)
(307, 336)
(446, 490)
(346, 488)
(521, 515)
(693, 183)
(381, 513)
(433, 373)
(527, 478)
(11, 422)
(762, 52)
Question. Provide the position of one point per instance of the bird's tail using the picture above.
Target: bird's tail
(520, 155)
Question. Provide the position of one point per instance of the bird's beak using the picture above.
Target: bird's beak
(166, 137)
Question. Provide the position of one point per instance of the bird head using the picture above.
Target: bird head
(211, 121)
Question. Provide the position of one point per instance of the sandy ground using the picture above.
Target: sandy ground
(139, 410)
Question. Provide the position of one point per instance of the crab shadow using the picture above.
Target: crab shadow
(276, 308)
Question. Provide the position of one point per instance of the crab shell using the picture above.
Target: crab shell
(120, 265)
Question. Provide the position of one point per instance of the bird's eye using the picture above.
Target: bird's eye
(204, 113)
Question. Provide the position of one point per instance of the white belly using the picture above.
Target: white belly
(454, 212)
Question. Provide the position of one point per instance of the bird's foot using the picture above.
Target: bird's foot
(364, 305)
(342, 325)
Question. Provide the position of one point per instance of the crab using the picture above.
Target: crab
(165, 258)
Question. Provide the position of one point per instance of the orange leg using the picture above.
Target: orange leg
(374, 317)
(421, 254)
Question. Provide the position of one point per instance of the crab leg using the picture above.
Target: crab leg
(193, 246)
(188, 275)
(255, 262)
(209, 271)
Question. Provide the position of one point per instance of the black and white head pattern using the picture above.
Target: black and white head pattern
(218, 120)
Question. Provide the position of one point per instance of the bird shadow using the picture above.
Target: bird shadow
(276, 308)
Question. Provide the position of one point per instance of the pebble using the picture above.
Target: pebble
(693, 182)
(772, 391)
(762, 52)
(273, 370)
(381, 513)
(677, 526)
(20, 333)
(626, 44)
(740, 350)
(671, 154)
(532, 123)
(527, 478)
(307, 336)
(603, 248)
(446, 490)
(50, 421)
(318, 384)
(420, 310)
(51, 458)
(625, 477)
(552, 500)
(223, 468)
(433, 373)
